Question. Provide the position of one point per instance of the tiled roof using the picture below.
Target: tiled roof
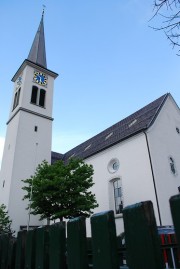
(133, 124)
(55, 157)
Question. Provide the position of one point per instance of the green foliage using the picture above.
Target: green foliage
(5, 222)
(61, 191)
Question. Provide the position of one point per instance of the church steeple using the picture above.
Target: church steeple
(37, 52)
(29, 130)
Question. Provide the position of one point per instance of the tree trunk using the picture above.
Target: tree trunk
(48, 221)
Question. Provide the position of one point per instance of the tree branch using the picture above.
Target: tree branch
(170, 11)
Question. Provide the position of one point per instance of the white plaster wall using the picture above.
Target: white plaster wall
(164, 141)
(7, 161)
(134, 171)
(31, 149)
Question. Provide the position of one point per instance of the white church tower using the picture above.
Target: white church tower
(29, 130)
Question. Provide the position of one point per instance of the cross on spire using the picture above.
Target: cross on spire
(43, 10)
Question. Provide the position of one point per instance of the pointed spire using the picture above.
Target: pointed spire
(37, 53)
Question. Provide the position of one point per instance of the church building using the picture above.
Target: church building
(136, 159)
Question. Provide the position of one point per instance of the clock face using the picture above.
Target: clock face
(40, 78)
(19, 81)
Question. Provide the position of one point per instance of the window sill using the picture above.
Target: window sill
(117, 216)
(37, 105)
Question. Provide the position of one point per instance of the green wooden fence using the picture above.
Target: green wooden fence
(50, 247)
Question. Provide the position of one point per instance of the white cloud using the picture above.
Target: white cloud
(2, 139)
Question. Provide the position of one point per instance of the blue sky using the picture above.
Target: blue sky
(110, 62)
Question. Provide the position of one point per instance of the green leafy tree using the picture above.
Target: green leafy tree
(61, 190)
(5, 222)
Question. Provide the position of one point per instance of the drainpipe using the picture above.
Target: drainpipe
(153, 177)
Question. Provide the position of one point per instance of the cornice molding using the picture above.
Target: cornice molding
(30, 112)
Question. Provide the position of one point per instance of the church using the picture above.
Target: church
(136, 159)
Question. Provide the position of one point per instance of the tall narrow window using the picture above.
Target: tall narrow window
(34, 95)
(118, 195)
(38, 96)
(15, 101)
(172, 165)
(42, 97)
(16, 98)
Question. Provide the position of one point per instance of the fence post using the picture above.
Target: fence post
(42, 241)
(141, 237)
(77, 244)
(175, 211)
(20, 250)
(104, 241)
(0, 250)
(12, 253)
(30, 249)
(4, 244)
(57, 246)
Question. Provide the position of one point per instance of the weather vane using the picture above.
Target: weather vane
(43, 9)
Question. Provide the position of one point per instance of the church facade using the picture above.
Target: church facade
(134, 160)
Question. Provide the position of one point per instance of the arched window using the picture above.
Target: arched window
(15, 101)
(38, 96)
(34, 95)
(16, 98)
(118, 195)
(18, 95)
(42, 97)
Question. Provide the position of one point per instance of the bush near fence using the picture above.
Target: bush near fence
(48, 248)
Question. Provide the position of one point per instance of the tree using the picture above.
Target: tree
(61, 191)
(169, 11)
(5, 222)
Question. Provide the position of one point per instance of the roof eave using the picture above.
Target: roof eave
(158, 110)
(113, 144)
(34, 65)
